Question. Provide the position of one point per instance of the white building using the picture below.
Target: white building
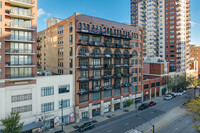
(40, 101)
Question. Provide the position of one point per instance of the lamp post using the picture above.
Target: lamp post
(153, 126)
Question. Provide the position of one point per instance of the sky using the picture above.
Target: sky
(115, 10)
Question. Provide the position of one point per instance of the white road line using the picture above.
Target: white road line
(126, 124)
(109, 131)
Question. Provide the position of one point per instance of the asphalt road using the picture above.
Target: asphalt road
(181, 125)
(129, 120)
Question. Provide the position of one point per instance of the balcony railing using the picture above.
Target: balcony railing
(21, 3)
(19, 76)
(9, 64)
(100, 44)
(23, 15)
(19, 51)
(102, 33)
(20, 39)
(25, 27)
(82, 91)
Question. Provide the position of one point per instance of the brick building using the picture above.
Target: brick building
(105, 58)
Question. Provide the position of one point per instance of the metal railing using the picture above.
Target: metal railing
(28, 51)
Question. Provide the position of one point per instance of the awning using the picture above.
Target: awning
(31, 126)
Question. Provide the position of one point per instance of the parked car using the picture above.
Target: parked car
(182, 91)
(171, 94)
(168, 97)
(143, 106)
(177, 93)
(86, 126)
(59, 131)
(152, 103)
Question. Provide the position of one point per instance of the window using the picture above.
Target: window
(47, 91)
(70, 39)
(125, 90)
(146, 86)
(71, 51)
(117, 92)
(135, 44)
(66, 103)
(47, 107)
(22, 109)
(107, 93)
(157, 83)
(134, 88)
(134, 62)
(0, 31)
(70, 63)
(0, 71)
(83, 98)
(135, 54)
(0, 58)
(24, 97)
(96, 96)
(134, 79)
(0, 45)
(134, 70)
(64, 89)
(0, 4)
(0, 18)
(153, 84)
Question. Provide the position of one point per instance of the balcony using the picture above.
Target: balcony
(84, 67)
(23, 15)
(20, 77)
(96, 66)
(83, 79)
(20, 51)
(20, 39)
(39, 55)
(21, 3)
(17, 27)
(100, 33)
(30, 64)
(83, 91)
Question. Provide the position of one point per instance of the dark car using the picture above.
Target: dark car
(59, 131)
(152, 103)
(143, 106)
(86, 126)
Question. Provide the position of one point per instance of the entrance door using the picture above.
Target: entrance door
(52, 123)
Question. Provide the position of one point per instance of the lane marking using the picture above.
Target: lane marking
(126, 124)
(109, 131)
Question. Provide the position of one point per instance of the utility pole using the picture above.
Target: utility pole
(62, 113)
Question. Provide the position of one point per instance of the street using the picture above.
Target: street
(129, 121)
(183, 124)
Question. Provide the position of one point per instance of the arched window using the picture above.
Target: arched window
(117, 52)
(140, 54)
(96, 28)
(104, 30)
(88, 27)
(128, 34)
(79, 26)
(120, 32)
(110, 31)
(126, 52)
(135, 54)
(117, 32)
(93, 28)
(83, 26)
(83, 51)
(114, 31)
(100, 29)
(96, 51)
(107, 52)
(107, 30)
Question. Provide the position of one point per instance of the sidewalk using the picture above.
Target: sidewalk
(98, 119)
(163, 120)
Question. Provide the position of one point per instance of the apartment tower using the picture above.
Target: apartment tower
(18, 23)
(105, 58)
(166, 25)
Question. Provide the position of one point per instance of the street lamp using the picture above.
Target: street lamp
(139, 116)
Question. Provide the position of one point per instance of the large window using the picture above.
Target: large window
(84, 38)
(84, 86)
(117, 92)
(20, 48)
(153, 84)
(96, 84)
(135, 44)
(66, 103)
(17, 60)
(83, 74)
(47, 107)
(134, 79)
(97, 73)
(134, 88)
(83, 98)
(21, 35)
(96, 96)
(21, 72)
(134, 70)
(64, 88)
(125, 90)
(146, 86)
(107, 82)
(96, 62)
(47, 91)
(21, 23)
(107, 93)
(83, 62)
(21, 11)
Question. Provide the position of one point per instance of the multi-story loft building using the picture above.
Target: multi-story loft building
(105, 58)
(166, 25)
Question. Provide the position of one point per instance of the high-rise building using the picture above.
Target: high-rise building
(105, 58)
(18, 23)
(166, 25)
